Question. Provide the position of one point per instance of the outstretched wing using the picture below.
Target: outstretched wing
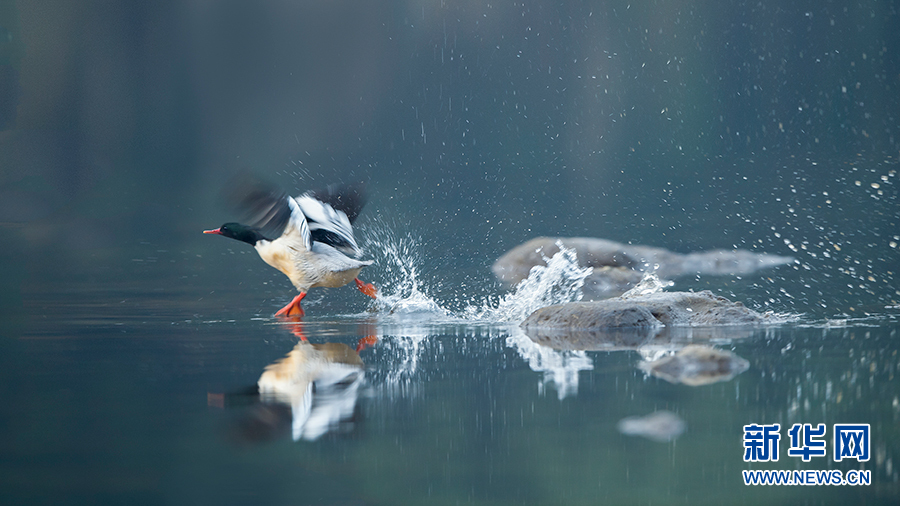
(327, 224)
(272, 211)
(347, 198)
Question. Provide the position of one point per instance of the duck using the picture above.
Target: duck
(308, 238)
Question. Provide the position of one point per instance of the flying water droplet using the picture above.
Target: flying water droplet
(558, 282)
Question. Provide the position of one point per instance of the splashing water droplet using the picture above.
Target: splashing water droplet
(648, 285)
(559, 368)
(558, 282)
(402, 292)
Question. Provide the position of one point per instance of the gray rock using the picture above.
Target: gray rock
(696, 309)
(697, 365)
(644, 311)
(591, 315)
(618, 267)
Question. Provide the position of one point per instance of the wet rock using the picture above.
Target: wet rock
(644, 311)
(589, 315)
(661, 426)
(696, 309)
(618, 267)
(697, 365)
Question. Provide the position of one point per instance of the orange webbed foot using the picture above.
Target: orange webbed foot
(366, 342)
(293, 308)
(366, 288)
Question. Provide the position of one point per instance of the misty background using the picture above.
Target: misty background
(477, 126)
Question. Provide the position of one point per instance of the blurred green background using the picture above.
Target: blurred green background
(477, 125)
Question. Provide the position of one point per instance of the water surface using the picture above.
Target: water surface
(115, 395)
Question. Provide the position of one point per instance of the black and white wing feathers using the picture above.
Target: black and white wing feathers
(347, 198)
(272, 211)
(327, 224)
(323, 216)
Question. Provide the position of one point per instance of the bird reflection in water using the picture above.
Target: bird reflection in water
(309, 392)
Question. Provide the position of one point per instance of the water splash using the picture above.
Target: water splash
(407, 314)
(404, 308)
(405, 351)
(648, 285)
(401, 292)
(558, 282)
(559, 368)
(838, 217)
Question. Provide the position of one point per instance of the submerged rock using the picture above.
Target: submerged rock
(697, 365)
(644, 311)
(618, 267)
(661, 426)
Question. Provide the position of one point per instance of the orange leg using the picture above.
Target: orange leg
(293, 308)
(297, 330)
(366, 288)
(366, 342)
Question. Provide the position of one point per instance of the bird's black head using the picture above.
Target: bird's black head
(237, 231)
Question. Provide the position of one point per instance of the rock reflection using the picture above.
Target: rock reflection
(661, 426)
(610, 339)
(697, 365)
(558, 352)
(635, 338)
